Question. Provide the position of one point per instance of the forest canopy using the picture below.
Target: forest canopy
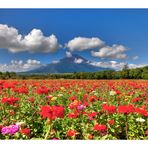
(125, 73)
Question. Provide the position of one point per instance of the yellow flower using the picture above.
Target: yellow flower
(62, 88)
(53, 98)
(129, 97)
(79, 93)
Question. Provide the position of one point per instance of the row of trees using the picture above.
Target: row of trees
(138, 73)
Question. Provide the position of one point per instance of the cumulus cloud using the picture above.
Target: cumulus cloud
(114, 65)
(33, 42)
(83, 43)
(78, 60)
(109, 64)
(132, 66)
(20, 66)
(113, 52)
(68, 54)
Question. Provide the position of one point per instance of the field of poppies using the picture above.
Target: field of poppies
(74, 109)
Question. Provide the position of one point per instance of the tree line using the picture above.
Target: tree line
(125, 73)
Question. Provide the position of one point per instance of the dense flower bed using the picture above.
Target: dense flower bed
(73, 109)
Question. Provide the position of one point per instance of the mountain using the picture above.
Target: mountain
(74, 63)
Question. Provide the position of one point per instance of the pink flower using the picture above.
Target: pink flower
(80, 107)
(55, 139)
(11, 129)
(5, 130)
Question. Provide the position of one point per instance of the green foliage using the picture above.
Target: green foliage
(126, 73)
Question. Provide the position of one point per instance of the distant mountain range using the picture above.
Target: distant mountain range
(74, 63)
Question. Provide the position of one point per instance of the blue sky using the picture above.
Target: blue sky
(126, 27)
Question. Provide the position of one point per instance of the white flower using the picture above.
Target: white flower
(21, 123)
(112, 93)
(96, 94)
(60, 95)
(140, 120)
(93, 91)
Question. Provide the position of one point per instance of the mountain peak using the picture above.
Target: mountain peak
(73, 58)
(69, 64)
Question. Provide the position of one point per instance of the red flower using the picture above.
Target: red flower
(135, 100)
(126, 109)
(52, 112)
(90, 136)
(85, 104)
(111, 122)
(85, 96)
(108, 108)
(92, 98)
(10, 101)
(141, 111)
(73, 115)
(11, 112)
(71, 133)
(9, 84)
(42, 90)
(1, 126)
(100, 127)
(118, 92)
(92, 115)
(25, 131)
(55, 138)
(146, 132)
(73, 98)
(31, 100)
(22, 90)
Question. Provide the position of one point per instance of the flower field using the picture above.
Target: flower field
(74, 109)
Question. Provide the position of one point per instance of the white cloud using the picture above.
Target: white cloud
(20, 62)
(78, 60)
(55, 61)
(83, 43)
(135, 57)
(20, 66)
(35, 41)
(131, 66)
(110, 64)
(68, 54)
(114, 52)
(115, 65)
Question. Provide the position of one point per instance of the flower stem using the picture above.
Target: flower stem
(126, 127)
(48, 131)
